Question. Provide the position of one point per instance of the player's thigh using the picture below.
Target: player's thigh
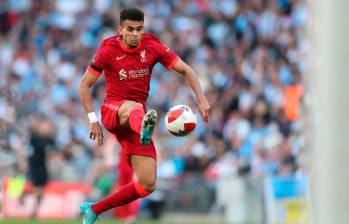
(145, 169)
(125, 110)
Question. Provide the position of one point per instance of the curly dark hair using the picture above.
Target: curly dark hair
(131, 14)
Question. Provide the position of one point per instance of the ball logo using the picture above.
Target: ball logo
(122, 74)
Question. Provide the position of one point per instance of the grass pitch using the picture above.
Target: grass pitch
(12, 221)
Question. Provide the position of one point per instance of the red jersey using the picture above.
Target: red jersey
(127, 71)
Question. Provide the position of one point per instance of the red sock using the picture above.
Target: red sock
(135, 119)
(123, 196)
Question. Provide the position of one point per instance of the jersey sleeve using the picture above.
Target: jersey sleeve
(99, 61)
(166, 56)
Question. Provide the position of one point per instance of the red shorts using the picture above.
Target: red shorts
(128, 139)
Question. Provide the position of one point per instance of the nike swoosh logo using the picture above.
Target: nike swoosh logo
(119, 58)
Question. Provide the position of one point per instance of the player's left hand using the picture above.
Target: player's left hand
(204, 108)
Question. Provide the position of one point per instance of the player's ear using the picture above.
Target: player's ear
(119, 29)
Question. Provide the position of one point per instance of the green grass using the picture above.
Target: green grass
(69, 222)
(166, 219)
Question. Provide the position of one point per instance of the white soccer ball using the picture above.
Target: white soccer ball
(180, 120)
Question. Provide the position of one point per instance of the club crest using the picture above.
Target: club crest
(142, 54)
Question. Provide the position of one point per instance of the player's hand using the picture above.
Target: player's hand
(96, 133)
(205, 109)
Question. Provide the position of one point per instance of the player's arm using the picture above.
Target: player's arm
(87, 81)
(182, 68)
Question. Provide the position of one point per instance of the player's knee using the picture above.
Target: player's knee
(148, 184)
(135, 106)
(127, 108)
(150, 187)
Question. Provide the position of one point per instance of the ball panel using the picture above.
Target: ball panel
(178, 107)
(189, 127)
(175, 126)
(173, 115)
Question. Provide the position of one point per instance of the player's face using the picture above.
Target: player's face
(132, 32)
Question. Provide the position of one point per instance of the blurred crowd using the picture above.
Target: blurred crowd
(249, 56)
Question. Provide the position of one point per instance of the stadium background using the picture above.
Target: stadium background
(249, 56)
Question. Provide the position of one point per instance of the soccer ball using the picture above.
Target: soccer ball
(180, 120)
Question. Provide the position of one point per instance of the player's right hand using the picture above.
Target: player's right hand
(96, 133)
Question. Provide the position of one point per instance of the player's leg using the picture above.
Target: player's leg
(39, 180)
(38, 193)
(131, 191)
(145, 169)
(129, 212)
(131, 114)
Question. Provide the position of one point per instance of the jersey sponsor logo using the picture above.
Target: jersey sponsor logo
(142, 54)
(122, 74)
(119, 58)
(133, 74)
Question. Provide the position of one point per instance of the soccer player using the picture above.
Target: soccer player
(127, 61)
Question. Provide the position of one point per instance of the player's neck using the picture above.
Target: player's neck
(123, 42)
